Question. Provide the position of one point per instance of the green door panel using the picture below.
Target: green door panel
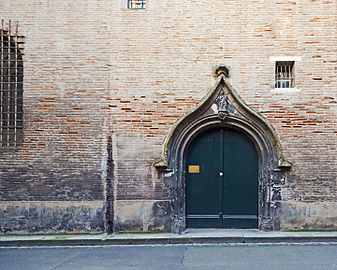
(202, 189)
(221, 180)
(240, 179)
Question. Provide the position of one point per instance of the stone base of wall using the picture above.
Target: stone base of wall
(303, 215)
(137, 216)
(142, 216)
(51, 217)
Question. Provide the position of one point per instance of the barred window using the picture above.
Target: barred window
(11, 87)
(135, 4)
(284, 74)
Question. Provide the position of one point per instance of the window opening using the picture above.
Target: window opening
(136, 4)
(11, 86)
(284, 74)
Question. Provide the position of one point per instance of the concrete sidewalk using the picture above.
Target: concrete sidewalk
(190, 236)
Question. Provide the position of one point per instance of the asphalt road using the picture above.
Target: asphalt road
(224, 256)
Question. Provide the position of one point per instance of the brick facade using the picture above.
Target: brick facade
(95, 72)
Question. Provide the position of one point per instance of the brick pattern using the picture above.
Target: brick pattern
(165, 66)
(93, 69)
(65, 86)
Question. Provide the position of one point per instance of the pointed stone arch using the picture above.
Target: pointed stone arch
(223, 107)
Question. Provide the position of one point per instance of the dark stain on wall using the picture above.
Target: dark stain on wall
(62, 181)
(109, 215)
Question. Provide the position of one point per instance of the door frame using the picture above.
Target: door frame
(223, 107)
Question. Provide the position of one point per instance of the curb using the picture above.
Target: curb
(164, 241)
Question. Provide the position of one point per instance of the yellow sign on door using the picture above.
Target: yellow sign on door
(193, 168)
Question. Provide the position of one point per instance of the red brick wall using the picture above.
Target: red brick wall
(66, 71)
(164, 59)
(93, 69)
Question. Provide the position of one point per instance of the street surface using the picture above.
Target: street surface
(215, 256)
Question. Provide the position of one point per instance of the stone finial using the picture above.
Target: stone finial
(222, 69)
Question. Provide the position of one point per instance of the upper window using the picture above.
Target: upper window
(284, 74)
(11, 88)
(136, 4)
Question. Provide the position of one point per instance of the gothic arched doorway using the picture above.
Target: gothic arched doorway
(222, 110)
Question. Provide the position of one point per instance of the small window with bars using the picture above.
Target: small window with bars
(284, 74)
(136, 4)
(11, 87)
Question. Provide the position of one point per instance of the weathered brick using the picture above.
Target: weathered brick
(93, 70)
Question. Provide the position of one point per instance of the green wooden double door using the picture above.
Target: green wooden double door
(221, 181)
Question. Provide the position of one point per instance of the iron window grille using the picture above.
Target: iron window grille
(284, 74)
(136, 4)
(11, 86)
